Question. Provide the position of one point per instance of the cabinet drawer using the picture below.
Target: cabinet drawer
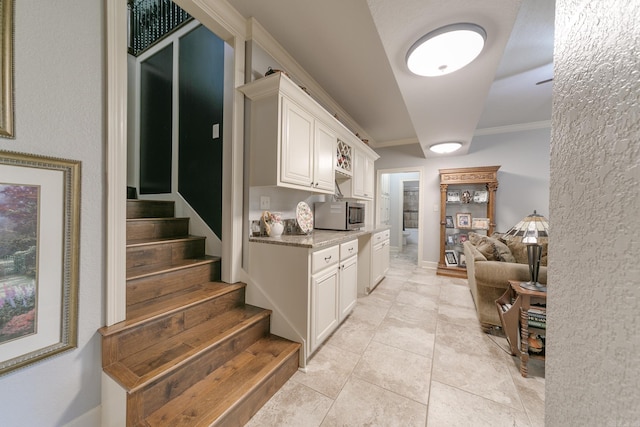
(324, 258)
(380, 237)
(348, 249)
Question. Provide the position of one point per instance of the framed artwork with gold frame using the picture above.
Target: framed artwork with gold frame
(6, 69)
(39, 262)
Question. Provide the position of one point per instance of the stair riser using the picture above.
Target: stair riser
(167, 388)
(241, 413)
(132, 341)
(157, 228)
(150, 209)
(146, 288)
(164, 253)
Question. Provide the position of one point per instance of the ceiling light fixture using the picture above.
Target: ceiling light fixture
(446, 49)
(445, 147)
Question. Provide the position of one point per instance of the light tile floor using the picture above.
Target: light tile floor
(411, 354)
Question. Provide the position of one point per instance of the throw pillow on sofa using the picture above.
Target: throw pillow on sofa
(519, 251)
(492, 249)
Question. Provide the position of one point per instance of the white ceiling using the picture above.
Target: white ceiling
(355, 50)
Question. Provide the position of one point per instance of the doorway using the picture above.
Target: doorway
(399, 202)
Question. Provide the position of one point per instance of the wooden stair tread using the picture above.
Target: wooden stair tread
(160, 359)
(173, 302)
(149, 270)
(160, 218)
(223, 389)
(160, 241)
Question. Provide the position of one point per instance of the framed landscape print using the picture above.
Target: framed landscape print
(39, 213)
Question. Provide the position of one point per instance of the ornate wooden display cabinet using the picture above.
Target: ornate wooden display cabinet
(467, 203)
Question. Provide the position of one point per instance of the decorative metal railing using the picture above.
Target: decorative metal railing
(151, 20)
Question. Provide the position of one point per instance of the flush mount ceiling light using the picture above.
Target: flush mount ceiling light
(446, 49)
(445, 147)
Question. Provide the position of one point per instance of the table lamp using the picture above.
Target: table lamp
(531, 231)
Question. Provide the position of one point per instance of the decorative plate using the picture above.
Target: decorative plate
(304, 217)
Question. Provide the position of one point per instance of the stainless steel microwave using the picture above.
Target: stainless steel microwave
(339, 215)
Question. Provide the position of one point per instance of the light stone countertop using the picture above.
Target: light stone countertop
(318, 238)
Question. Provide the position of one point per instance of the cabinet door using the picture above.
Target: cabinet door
(363, 180)
(324, 306)
(324, 158)
(348, 286)
(369, 177)
(386, 253)
(296, 161)
(376, 263)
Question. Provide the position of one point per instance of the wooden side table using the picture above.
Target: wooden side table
(527, 297)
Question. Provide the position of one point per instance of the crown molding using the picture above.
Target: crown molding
(513, 128)
(396, 142)
(259, 35)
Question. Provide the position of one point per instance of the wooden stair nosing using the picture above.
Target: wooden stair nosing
(261, 367)
(162, 241)
(133, 383)
(172, 303)
(146, 271)
(124, 325)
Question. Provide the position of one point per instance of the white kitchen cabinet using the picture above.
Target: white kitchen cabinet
(380, 260)
(308, 290)
(324, 305)
(373, 260)
(363, 176)
(348, 278)
(292, 142)
(297, 147)
(324, 158)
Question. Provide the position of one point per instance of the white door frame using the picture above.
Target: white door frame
(419, 171)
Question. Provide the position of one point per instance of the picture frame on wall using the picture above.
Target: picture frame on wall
(6, 69)
(40, 205)
(463, 220)
(450, 258)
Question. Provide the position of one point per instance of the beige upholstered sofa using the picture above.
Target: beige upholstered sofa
(490, 266)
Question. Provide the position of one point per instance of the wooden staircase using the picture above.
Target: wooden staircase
(190, 352)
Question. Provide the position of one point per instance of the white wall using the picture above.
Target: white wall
(593, 374)
(523, 178)
(59, 72)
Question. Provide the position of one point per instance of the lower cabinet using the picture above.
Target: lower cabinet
(348, 277)
(380, 264)
(309, 291)
(325, 314)
(348, 286)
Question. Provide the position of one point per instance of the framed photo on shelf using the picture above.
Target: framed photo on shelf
(451, 240)
(480, 223)
(463, 220)
(453, 196)
(462, 262)
(481, 196)
(449, 222)
(450, 258)
(40, 212)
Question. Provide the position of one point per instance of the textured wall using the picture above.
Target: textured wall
(593, 375)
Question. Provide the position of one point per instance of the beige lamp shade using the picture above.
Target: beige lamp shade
(532, 227)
